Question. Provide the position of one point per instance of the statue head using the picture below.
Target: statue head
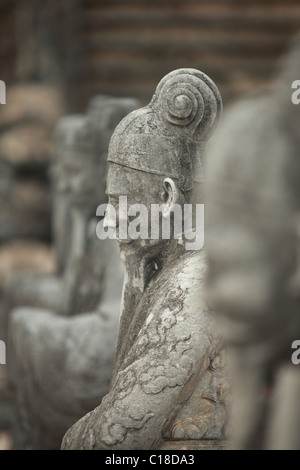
(79, 162)
(81, 145)
(156, 153)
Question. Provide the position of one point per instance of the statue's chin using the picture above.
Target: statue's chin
(124, 241)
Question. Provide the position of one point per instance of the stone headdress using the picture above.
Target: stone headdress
(167, 137)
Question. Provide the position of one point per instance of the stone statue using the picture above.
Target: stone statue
(78, 180)
(252, 240)
(169, 385)
(60, 365)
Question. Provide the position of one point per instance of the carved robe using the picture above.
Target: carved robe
(168, 382)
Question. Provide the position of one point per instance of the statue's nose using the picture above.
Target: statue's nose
(110, 217)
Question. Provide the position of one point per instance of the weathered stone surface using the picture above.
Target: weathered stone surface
(196, 444)
(252, 239)
(166, 384)
(66, 361)
(30, 259)
(78, 179)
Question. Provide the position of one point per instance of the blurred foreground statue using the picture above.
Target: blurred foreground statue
(252, 239)
(60, 365)
(168, 388)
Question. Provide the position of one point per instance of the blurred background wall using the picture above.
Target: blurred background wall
(127, 46)
(124, 47)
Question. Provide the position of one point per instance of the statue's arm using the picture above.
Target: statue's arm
(144, 396)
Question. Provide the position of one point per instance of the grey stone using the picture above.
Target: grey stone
(60, 366)
(78, 180)
(65, 361)
(168, 382)
(252, 240)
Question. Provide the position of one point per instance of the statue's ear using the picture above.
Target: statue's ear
(171, 196)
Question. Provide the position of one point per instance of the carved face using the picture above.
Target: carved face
(139, 188)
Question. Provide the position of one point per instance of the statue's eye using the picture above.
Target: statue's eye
(151, 270)
(153, 266)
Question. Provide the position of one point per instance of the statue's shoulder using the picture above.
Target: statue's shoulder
(177, 311)
(181, 285)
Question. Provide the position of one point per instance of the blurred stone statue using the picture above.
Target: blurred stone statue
(60, 365)
(26, 125)
(78, 180)
(252, 239)
(169, 384)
